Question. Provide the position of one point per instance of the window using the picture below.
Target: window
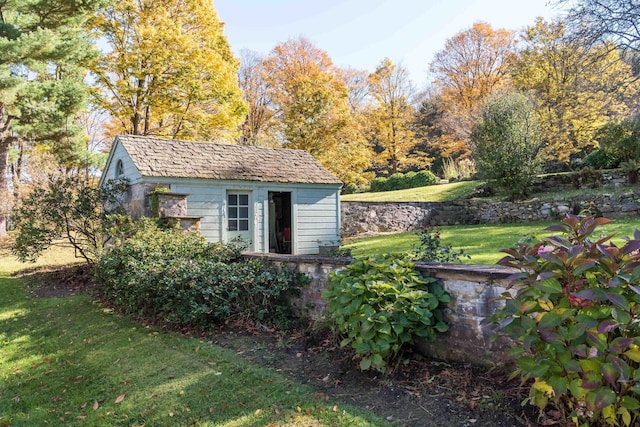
(238, 212)
(119, 169)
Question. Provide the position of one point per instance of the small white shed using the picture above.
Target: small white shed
(276, 200)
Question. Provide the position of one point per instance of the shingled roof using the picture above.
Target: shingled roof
(159, 157)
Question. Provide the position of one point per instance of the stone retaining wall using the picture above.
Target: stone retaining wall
(472, 289)
(380, 217)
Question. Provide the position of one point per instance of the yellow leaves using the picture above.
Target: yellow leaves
(170, 71)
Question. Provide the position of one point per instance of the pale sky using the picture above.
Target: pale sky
(361, 33)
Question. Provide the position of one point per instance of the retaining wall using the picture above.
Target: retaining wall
(472, 288)
(379, 217)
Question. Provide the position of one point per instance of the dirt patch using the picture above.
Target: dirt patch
(58, 281)
(420, 393)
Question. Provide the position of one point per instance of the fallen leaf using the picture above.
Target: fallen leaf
(258, 411)
(299, 409)
(335, 408)
(77, 379)
(211, 410)
(95, 406)
(56, 399)
(84, 405)
(171, 414)
(120, 398)
(223, 406)
(81, 417)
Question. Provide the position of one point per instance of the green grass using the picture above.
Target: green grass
(430, 193)
(481, 242)
(69, 361)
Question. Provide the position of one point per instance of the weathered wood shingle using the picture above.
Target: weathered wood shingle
(159, 157)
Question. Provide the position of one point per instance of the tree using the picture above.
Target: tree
(613, 20)
(473, 64)
(170, 71)
(312, 106)
(578, 88)
(68, 211)
(390, 120)
(42, 52)
(507, 142)
(260, 127)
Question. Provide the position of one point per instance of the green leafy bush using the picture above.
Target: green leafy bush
(507, 143)
(183, 280)
(400, 181)
(600, 159)
(574, 316)
(68, 212)
(431, 248)
(382, 304)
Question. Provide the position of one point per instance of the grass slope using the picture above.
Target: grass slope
(481, 242)
(430, 193)
(68, 361)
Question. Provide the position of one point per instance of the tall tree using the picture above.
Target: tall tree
(473, 64)
(312, 105)
(613, 20)
(577, 87)
(391, 118)
(42, 50)
(170, 70)
(260, 127)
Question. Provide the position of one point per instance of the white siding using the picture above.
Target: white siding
(130, 171)
(316, 220)
(205, 201)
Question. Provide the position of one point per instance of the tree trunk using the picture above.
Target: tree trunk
(5, 142)
(4, 184)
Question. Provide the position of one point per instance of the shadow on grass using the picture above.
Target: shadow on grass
(68, 360)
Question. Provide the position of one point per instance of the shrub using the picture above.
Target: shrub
(183, 280)
(575, 320)
(396, 182)
(382, 304)
(620, 140)
(423, 178)
(431, 248)
(379, 184)
(507, 143)
(399, 181)
(68, 211)
(599, 159)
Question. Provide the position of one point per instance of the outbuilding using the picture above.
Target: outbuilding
(274, 199)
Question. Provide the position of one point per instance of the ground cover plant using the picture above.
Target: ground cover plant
(481, 242)
(574, 314)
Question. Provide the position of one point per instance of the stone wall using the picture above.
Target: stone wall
(472, 289)
(379, 217)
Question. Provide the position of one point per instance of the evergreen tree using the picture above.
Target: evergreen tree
(42, 51)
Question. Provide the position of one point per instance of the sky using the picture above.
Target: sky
(361, 33)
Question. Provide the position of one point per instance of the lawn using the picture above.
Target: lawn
(431, 193)
(481, 242)
(69, 361)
